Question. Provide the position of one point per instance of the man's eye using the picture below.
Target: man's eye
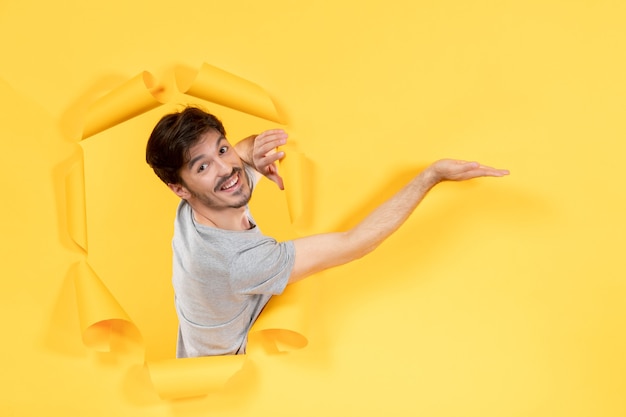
(223, 150)
(202, 167)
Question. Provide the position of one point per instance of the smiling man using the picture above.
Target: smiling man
(224, 269)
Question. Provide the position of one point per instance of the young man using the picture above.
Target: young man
(224, 270)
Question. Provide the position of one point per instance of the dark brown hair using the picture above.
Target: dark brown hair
(172, 137)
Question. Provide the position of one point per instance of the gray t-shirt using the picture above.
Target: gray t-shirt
(222, 280)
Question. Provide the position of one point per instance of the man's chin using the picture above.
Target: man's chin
(243, 201)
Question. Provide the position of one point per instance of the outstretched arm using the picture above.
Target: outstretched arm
(259, 151)
(318, 252)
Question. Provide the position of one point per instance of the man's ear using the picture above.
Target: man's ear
(180, 190)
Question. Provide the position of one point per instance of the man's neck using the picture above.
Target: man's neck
(227, 219)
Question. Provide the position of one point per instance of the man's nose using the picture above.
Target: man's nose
(223, 167)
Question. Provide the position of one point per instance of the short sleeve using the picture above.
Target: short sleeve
(262, 268)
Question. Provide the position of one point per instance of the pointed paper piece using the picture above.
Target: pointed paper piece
(99, 312)
(297, 173)
(222, 87)
(136, 96)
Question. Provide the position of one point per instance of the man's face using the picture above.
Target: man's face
(214, 175)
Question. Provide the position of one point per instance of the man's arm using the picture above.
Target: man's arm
(259, 151)
(318, 252)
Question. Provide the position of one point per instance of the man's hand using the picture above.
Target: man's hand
(456, 170)
(265, 156)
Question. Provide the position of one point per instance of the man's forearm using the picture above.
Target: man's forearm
(319, 252)
(244, 149)
(316, 253)
(389, 216)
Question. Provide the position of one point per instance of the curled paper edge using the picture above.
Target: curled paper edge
(221, 87)
(136, 96)
(280, 328)
(296, 170)
(181, 378)
(283, 323)
(99, 313)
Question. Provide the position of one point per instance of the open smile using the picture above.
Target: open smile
(231, 183)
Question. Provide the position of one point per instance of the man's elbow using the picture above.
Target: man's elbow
(359, 246)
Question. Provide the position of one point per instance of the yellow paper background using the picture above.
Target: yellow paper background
(499, 297)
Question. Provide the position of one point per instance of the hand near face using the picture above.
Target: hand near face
(265, 156)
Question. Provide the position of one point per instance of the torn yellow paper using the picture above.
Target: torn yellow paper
(138, 95)
(121, 231)
(98, 310)
(297, 172)
(218, 86)
(285, 320)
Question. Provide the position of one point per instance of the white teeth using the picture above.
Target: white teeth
(230, 183)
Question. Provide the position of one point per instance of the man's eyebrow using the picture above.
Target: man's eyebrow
(220, 140)
(193, 161)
